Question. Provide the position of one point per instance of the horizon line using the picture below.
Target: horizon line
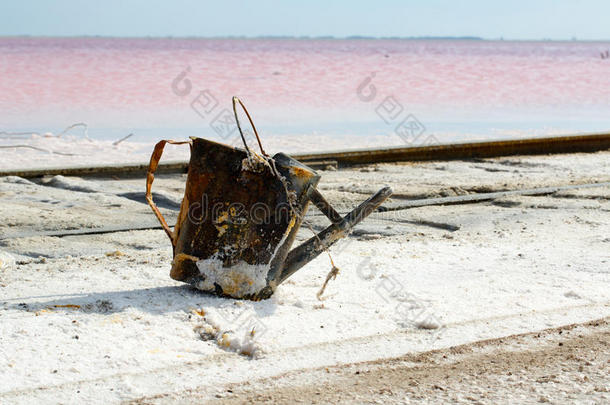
(308, 37)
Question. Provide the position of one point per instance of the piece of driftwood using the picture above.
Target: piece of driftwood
(240, 215)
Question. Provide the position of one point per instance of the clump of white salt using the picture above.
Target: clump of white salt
(6, 261)
(428, 323)
(239, 280)
(210, 330)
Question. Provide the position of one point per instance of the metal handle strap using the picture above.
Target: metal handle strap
(150, 177)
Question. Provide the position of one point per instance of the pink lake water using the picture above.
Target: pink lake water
(350, 90)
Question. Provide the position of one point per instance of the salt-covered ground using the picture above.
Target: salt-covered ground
(566, 364)
(96, 318)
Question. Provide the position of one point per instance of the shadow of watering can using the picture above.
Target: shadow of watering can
(240, 215)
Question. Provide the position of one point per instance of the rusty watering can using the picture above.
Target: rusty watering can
(240, 215)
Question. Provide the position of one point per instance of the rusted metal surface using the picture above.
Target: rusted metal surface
(152, 168)
(529, 146)
(325, 208)
(239, 217)
(125, 170)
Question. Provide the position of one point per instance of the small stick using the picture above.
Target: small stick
(17, 135)
(115, 143)
(78, 124)
(22, 135)
(332, 274)
(36, 148)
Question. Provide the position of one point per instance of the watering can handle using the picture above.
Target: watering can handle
(236, 101)
(150, 177)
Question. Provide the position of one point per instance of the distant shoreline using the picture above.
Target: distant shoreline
(305, 38)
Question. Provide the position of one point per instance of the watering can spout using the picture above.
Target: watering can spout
(340, 227)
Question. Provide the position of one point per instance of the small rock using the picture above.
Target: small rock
(572, 294)
(428, 323)
(116, 253)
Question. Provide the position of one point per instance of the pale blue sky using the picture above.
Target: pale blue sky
(516, 19)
